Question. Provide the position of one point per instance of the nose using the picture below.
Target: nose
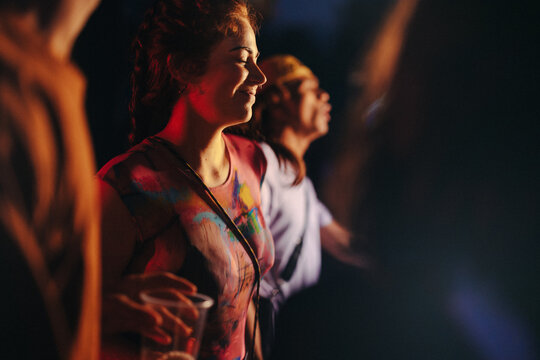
(257, 76)
(324, 95)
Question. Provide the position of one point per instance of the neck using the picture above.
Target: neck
(199, 143)
(296, 143)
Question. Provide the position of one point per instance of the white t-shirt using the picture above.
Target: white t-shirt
(286, 209)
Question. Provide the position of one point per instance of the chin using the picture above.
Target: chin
(321, 133)
(238, 116)
(238, 121)
(323, 128)
(246, 116)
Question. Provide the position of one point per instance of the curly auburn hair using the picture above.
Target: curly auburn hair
(171, 49)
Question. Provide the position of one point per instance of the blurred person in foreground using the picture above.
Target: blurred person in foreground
(195, 74)
(49, 220)
(290, 113)
(449, 189)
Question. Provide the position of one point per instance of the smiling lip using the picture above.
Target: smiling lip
(326, 111)
(251, 92)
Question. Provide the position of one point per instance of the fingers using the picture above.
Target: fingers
(187, 311)
(121, 314)
(123, 311)
(157, 334)
(174, 324)
(178, 315)
(168, 280)
(133, 284)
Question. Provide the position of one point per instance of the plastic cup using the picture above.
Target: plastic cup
(181, 347)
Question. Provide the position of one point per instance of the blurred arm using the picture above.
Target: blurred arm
(336, 240)
(257, 351)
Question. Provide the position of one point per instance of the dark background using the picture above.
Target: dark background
(328, 35)
(460, 272)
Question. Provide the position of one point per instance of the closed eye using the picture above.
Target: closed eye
(248, 50)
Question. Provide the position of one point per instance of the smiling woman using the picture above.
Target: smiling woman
(195, 74)
(226, 91)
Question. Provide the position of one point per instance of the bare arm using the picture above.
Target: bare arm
(336, 240)
(257, 350)
(118, 236)
(122, 309)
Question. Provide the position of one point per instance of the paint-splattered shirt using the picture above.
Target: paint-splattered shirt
(180, 233)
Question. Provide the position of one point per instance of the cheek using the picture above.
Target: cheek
(236, 77)
(309, 108)
(225, 79)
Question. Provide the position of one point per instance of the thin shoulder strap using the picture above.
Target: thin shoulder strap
(189, 172)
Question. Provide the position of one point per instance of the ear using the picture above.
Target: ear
(277, 94)
(274, 98)
(174, 70)
(184, 72)
(284, 92)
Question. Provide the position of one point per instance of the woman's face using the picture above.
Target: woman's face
(311, 108)
(226, 92)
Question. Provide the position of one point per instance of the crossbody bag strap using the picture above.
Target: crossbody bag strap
(215, 204)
